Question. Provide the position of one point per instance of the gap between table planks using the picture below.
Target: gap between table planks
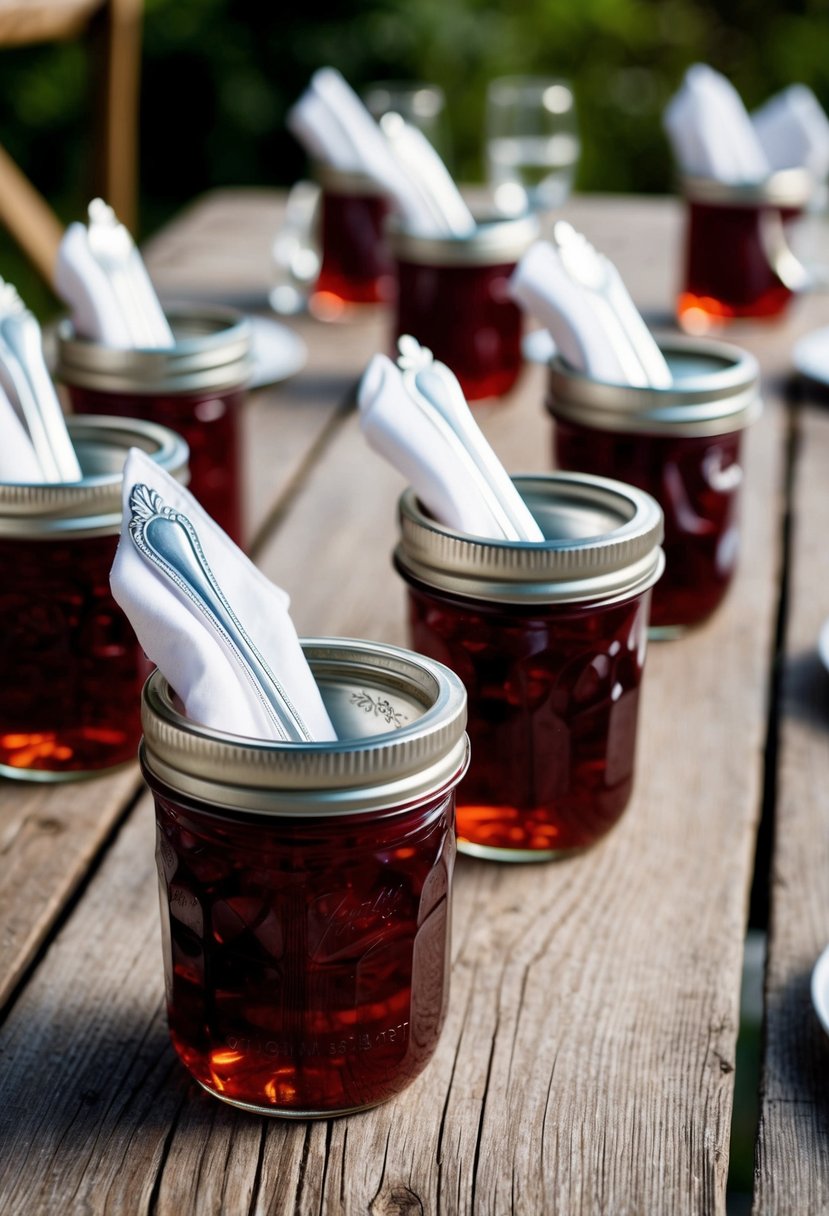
(792, 1166)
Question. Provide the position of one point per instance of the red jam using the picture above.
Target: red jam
(553, 694)
(306, 960)
(465, 316)
(356, 266)
(209, 422)
(728, 274)
(696, 481)
(72, 668)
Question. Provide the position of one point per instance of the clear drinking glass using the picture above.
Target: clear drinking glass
(422, 105)
(532, 142)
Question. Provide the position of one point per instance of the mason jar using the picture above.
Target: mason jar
(683, 444)
(737, 260)
(453, 296)
(72, 667)
(306, 888)
(355, 264)
(196, 388)
(549, 640)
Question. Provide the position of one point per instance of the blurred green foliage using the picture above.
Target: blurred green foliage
(219, 76)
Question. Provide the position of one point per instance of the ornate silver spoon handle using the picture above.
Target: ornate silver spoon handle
(168, 540)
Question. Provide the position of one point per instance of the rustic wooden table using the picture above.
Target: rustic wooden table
(588, 1060)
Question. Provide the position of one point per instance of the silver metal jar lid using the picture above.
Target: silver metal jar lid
(715, 391)
(343, 181)
(211, 354)
(492, 243)
(400, 722)
(785, 188)
(91, 507)
(602, 545)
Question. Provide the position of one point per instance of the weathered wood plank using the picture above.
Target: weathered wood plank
(587, 1061)
(792, 1164)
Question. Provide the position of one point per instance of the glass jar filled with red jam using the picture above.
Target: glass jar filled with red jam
(196, 388)
(72, 667)
(355, 263)
(452, 295)
(737, 260)
(549, 640)
(305, 888)
(683, 445)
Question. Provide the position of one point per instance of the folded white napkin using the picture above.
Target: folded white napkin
(336, 128)
(461, 483)
(18, 461)
(204, 663)
(101, 277)
(596, 329)
(711, 132)
(793, 129)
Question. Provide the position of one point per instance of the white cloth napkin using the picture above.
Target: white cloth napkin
(403, 428)
(599, 332)
(201, 665)
(711, 132)
(793, 129)
(106, 286)
(332, 123)
(18, 461)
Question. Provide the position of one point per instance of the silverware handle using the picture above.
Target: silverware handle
(169, 540)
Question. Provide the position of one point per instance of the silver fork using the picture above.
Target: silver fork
(21, 354)
(114, 250)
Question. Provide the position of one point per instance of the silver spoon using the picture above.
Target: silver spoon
(169, 541)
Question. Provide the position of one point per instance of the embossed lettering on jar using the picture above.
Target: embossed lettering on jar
(684, 446)
(305, 889)
(549, 641)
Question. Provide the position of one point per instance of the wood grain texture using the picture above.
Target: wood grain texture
(587, 1060)
(792, 1166)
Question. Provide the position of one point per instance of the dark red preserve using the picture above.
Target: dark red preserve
(452, 295)
(306, 888)
(355, 266)
(549, 640)
(737, 262)
(196, 388)
(684, 446)
(72, 667)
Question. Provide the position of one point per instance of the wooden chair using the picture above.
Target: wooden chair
(113, 28)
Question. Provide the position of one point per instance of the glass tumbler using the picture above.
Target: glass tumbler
(72, 667)
(355, 264)
(737, 259)
(305, 889)
(453, 296)
(549, 640)
(532, 142)
(195, 388)
(682, 445)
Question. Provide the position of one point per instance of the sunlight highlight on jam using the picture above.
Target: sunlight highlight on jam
(72, 668)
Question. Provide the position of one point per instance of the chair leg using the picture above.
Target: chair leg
(120, 105)
(29, 218)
